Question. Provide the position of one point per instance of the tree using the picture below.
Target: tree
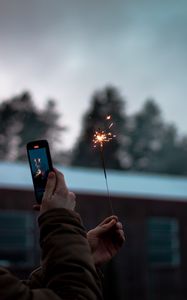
(146, 136)
(155, 145)
(171, 157)
(22, 122)
(103, 103)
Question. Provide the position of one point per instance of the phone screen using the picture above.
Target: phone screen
(40, 169)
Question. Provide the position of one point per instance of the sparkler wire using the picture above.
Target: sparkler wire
(106, 180)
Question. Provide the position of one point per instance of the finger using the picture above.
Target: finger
(119, 225)
(105, 227)
(50, 186)
(101, 229)
(108, 219)
(72, 197)
(60, 184)
(119, 229)
(36, 207)
(120, 236)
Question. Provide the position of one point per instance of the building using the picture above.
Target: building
(153, 262)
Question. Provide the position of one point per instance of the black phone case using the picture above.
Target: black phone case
(38, 163)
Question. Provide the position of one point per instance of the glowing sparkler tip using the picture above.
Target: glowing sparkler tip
(103, 136)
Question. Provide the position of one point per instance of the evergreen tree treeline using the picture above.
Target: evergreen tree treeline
(144, 141)
(21, 121)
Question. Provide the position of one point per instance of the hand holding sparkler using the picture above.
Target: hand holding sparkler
(105, 240)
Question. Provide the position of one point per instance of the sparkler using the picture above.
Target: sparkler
(99, 139)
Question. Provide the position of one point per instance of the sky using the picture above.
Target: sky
(66, 50)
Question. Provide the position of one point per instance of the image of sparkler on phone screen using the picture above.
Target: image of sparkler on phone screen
(99, 139)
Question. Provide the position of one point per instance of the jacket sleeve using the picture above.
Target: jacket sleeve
(67, 263)
(35, 279)
(11, 288)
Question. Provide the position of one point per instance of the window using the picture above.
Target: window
(16, 238)
(163, 242)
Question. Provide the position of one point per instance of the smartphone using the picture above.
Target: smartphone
(40, 164)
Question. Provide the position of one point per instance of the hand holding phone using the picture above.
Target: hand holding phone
(57, 194)
(40, 164)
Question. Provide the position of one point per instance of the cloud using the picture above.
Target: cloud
(66, 49)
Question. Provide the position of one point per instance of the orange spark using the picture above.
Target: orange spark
(103, 136)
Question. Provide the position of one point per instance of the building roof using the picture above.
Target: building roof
(92, 181)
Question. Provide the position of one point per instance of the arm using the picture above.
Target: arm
(70, 271)
(105, 240)
(73, 274)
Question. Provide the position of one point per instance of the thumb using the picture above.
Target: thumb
(106, 227)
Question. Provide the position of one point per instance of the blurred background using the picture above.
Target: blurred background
(64, 67)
